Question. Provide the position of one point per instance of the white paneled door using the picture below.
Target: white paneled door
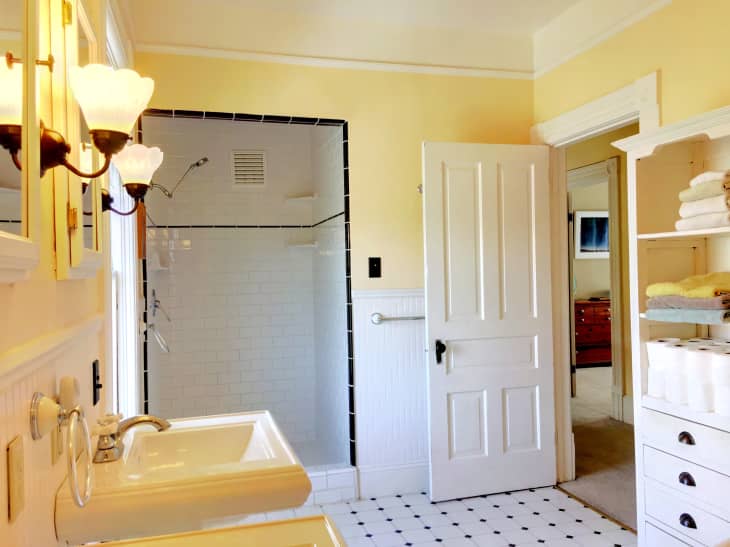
(489, 327)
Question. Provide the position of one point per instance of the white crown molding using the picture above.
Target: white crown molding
(18, 257)
(596, 173)
(713, 124)
(322, 62)
(25, 358)
(637, 101)
(542, 68)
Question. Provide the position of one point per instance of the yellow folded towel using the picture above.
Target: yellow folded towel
(697, 286)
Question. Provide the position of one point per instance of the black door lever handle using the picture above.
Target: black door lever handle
(440, 350)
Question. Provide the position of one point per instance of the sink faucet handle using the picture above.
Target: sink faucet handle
(107, 425)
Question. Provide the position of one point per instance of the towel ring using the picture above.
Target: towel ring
(75, 419)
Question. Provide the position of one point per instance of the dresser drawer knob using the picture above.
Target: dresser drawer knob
(687, 479)
(686, 520)
(686, 438)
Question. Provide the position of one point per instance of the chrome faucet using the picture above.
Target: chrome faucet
(111, 430)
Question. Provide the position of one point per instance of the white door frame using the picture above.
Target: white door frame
(606, 172)
(636, 101)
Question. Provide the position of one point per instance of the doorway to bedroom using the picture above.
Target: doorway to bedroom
(601, 402)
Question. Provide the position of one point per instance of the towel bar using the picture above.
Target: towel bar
(378, 318)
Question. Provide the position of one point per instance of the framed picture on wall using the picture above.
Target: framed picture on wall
(591, 234)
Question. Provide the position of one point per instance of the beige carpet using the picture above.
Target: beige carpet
(604, 451)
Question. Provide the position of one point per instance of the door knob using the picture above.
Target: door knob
(440, 350)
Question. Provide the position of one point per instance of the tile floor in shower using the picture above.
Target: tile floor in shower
(529, 518)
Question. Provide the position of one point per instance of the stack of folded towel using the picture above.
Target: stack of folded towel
(701, 299)
(705, 202)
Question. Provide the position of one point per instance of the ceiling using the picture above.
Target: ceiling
(474, 34)
(505, 16)
(511, 38)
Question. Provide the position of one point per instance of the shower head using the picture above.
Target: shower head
(169, 193)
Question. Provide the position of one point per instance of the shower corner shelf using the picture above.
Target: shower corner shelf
(303, 245)
(301, 198)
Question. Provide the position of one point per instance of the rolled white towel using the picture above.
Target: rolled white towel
(711, 220)
(716, 204)
(708, 176)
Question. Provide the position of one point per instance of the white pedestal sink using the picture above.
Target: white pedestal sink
(199, 471)
(317, 531)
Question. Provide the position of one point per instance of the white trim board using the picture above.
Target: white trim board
(388, 480)
(324, 62)
(596, 173)
(387, 293)
(638, 100)
(23, 359)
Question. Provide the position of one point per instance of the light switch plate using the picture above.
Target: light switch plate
(16, 478)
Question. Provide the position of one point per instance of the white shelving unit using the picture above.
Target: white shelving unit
(673, 443)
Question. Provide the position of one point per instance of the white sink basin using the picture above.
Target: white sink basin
(198, 471)
(317, 531)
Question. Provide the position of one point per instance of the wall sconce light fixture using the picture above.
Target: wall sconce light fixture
(111, 101)
(136, 165)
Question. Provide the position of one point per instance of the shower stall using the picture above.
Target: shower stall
(246, 275)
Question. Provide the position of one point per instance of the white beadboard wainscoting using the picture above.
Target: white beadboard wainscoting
(38, 365)
(390, 393)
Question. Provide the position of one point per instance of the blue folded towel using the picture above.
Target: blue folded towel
(704, 317)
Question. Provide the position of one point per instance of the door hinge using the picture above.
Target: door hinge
(570, 217)
(72, 218)
(67, 12)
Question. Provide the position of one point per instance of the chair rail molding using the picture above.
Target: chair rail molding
(638, 100)
(23, 359)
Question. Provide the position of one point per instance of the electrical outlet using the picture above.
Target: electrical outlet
(16, 479)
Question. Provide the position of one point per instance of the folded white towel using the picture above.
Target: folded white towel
(716, 204)
(711, 220)
(708, 176)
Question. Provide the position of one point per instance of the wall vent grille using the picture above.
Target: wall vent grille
(248, 167)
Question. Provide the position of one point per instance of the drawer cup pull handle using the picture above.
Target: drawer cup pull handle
(686, 438)
(687, 479)
(686, 520)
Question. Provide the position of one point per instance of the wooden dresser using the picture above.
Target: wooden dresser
(592, 332)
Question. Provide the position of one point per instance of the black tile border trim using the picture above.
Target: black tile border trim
(288, 120)
(244, 226)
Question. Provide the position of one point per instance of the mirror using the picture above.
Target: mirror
(11, 180)
(82, 37)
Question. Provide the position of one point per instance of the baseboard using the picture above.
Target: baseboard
(388, 480)
(628, 409)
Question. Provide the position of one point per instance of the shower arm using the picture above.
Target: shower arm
(169, 193)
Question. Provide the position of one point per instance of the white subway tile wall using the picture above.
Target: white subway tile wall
(241, 329)
(257, 320)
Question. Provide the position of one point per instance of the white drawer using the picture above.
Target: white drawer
(688, 440)
(658, 538)
(707, 486)
(683, 517)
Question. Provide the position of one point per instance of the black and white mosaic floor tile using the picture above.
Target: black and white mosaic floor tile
(543, 517)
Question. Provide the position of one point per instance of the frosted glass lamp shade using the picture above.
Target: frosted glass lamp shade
(137, 163)
(11, 94)
(110, 99)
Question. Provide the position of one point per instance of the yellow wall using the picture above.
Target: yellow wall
(685, 41)
(591, 277)
(592, 151)
(390, 114)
